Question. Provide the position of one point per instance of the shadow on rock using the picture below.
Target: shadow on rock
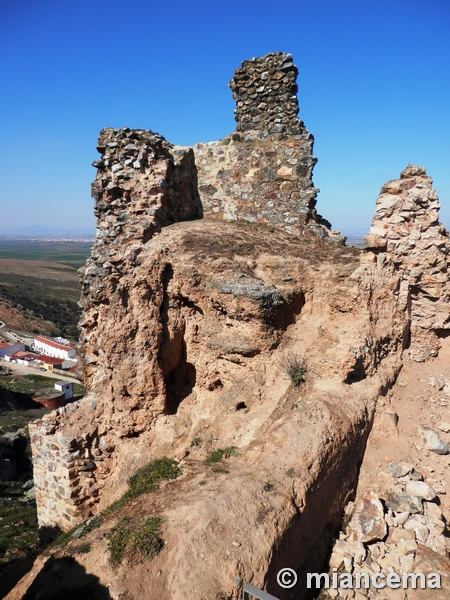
(65, 579)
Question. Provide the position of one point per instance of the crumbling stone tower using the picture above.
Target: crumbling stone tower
(265, 90)
(263, 172)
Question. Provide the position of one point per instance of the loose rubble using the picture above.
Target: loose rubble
(410, 487)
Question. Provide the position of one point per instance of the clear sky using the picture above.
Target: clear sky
(374, 89)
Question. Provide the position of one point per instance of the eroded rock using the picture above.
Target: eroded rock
(367, 523)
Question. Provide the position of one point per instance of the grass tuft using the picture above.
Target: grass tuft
(220, 453)
(135, 538)
(91, 524)
(82, 549)
(219, 470)
(145, 480)
(294, 366)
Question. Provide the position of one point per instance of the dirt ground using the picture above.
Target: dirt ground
(418, 402)
(24, 370)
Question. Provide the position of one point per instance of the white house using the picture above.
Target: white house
(52, 348)
(66, 387)
(7, 349)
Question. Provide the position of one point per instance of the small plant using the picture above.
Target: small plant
(82, 549)
(268, 487)
(147, 479)
(294, 366)
(290, 472)
(219, 470)
(294, 406)
(196, 442)
(220, 453)
(202, 482)
(134, 539)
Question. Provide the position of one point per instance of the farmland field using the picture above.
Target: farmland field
(72, 253)
(39, 279)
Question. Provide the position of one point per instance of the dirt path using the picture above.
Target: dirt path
(24, 370)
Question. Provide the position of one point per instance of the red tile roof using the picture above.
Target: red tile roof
(25, 355)
(50, 360)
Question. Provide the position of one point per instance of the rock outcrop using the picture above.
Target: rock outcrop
(196, 353)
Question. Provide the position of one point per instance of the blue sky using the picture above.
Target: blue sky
(374, 89)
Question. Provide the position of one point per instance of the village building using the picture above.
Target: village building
(23, 358)
(54, 348)
(55, 397)
(7, 349)
(50, 362)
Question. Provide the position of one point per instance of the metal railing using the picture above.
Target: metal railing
(250, 591)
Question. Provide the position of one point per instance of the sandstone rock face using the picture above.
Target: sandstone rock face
(406, 232)
(188, 344)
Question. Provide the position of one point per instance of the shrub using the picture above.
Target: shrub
(268, 487)
(294, 366)
(135, 538)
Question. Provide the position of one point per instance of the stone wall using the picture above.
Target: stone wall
(260, 174)
(261, 178)
(265, 90)
(406, 233)
(263, 172)
(69, 468)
